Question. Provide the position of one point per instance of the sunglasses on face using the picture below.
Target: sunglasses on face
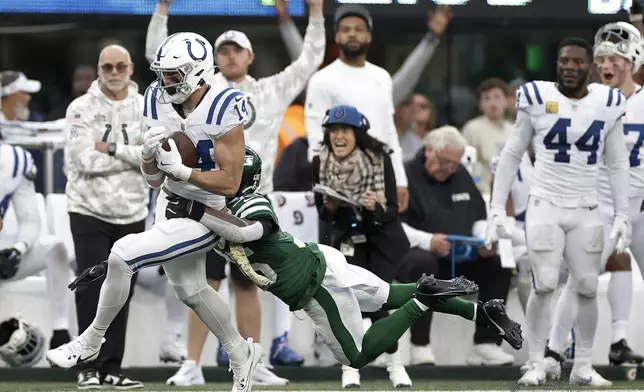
(109, 68)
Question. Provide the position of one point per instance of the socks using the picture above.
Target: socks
(114, 293)
(563, 319)
(538, 324)
(586, 326)
(399, 295)
(620, 297)
(176, 313)
(58, 277)
(282, 318)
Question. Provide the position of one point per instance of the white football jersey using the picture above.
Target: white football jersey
(568, 139)
(634, 136)
(16, 167)
(220, 110)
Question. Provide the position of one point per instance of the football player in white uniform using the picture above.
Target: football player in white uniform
(573, 125)
(618, 55)
(212, 116)
(23, 250)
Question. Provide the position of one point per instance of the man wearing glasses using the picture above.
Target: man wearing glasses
(107, 196)
(443, 200)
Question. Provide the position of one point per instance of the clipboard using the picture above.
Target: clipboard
(326, 191)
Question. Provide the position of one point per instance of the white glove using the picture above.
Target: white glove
(152, 140)
(170, 162)
(621, 232)
(496, 227)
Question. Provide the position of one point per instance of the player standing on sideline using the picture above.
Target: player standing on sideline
(267, 101)
(573, 124)
(212, 116)
(618, 55)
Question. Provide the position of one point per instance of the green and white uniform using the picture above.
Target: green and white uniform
(316, 278)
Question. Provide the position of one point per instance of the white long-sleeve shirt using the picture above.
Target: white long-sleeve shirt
(570, 137)
(367, 88)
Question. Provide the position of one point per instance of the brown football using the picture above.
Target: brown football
(186, 148)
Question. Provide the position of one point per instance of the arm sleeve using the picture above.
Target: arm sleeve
(394, 143)
(318, 101)
(157, 32)
(510, 159)
(27, 212)
(406, 78)
(232, 228)
(292, 39)
(618, 167)
(289, 83)
(80, 146)
(418, 238)
(390, 212)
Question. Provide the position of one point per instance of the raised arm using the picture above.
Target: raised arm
(157, 29)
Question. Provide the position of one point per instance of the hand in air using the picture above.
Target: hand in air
(170, 162)
(438, 20)
(152, 140)
(620, 235)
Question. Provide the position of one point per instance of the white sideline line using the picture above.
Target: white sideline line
(381, 390)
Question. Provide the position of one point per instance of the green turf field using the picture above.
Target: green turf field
(328, 386)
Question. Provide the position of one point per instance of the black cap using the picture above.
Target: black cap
(353, 10)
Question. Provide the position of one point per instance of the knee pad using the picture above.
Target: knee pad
(545, 280)
(587, 285)
(189, 293)
(116, 263)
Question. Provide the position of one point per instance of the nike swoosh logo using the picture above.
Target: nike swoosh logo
(81, 359)
(501, 330)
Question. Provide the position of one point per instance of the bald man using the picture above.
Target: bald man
(107, 197)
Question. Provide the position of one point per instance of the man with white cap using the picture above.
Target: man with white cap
(268, 98)
(16, 92)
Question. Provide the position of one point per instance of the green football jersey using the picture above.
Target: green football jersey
(295, 268)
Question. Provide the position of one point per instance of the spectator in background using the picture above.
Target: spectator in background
(488, 132)
(371, 236)
(513, 86)
(443, 201)
(267, 101)
(423, 120)
(16, 95)
(107, 196)
(82, 79)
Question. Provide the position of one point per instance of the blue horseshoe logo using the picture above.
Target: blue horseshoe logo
(203, 45)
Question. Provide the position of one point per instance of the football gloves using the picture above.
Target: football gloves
(620, 235)
(152, 140)
(9, 263)
(179, 207)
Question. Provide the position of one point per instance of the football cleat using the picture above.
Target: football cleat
(492, 314)
(621, 353)
(430, 289)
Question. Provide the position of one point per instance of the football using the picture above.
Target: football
(185, 146)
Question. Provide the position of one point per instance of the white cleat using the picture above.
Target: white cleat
(350, 377)
(422, 355)
(587, 376)
(489, 354)
(524, 368)
(535, 376)
(173, 350)
(243, 373)
(398, 376)
(264, 376)
(552, 367)
(189, 374)
(73, 353)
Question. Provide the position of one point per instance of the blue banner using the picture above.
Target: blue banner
(146, 7)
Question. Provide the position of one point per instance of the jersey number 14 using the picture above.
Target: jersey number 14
(557, 139)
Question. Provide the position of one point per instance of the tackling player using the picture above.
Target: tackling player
(212, 116)
(618, 55)
(573, 126)
(23, 250)
(318, 279)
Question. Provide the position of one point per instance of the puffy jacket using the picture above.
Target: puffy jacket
(110, 188)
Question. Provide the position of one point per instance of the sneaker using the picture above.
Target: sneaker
(243, 373)
(88, 379)
(120, 382)
(535, 375)
(430, 289)
(73, 353)
(173, 350)
(492, 314)
(222, 357)
(552, 364)
(587, 376)
(350, 377)
(58, 338)
(397, 373)
(189, 374)
(282, 354)
(422, 355)
(489, 354)
(621, 353)
(264, 376)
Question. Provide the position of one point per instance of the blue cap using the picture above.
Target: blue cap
(345, 115)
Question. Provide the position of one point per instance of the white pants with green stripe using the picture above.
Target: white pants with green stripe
(346, 292)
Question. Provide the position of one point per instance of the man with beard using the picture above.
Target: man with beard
(107, 196)
(574, 127)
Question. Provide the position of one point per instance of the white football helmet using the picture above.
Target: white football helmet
(622, 39)
(21, 344)
(182, 62)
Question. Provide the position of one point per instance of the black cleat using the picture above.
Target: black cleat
(554, 355)
(492, 314)
(90, 275)
(620, 353)
(431, 289)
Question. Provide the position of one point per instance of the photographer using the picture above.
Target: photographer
(368, 232)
